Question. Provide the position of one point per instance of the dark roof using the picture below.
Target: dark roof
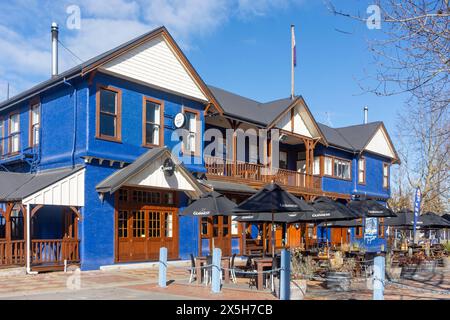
(113, 183)
(17, 186)
(248, 109)
(223, 186)
(352, 138)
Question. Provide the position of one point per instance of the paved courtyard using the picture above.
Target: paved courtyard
(141, 284)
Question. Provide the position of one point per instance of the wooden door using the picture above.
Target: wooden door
(338, 236)
(221, 234)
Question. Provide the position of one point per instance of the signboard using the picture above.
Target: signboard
(371, 230)
(179, 120)
(168, 167)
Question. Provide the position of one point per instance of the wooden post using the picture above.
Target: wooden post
(285, 275)
(216, 270)
(9, 208)
(162, 267)
(378, 278)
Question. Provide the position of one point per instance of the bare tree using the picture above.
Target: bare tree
(412, 49)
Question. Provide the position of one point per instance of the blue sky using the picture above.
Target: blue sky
(239, 45)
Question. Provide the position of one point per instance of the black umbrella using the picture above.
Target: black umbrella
(370, 208)
(404, 218)
(446, 217)
(273, 199)
(210, 204)
(342, 224)
(433, 221)
(326, 210)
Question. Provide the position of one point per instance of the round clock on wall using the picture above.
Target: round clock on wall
(179, 120)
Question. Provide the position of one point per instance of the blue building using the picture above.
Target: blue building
(97, 162)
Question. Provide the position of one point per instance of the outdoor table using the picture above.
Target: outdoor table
(260, 264)
(225, 263)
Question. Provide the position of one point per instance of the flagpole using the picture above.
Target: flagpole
(292, 61)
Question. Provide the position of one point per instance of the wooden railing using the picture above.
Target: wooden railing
(54, 251)
(12, 252)
(261, 173)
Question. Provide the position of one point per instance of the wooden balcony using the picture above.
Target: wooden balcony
(258, 174)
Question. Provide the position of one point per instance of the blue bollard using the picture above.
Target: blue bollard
(378, 278)
(162, 267)
(216, 270)
(285, 275)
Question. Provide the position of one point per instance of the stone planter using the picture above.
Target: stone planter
(298, 289)
(338, 281)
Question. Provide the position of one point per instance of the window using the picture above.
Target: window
(138, 224)
(359, 230)
(328, 170)
(14, 133)
(109, 114)
(316, 166)
(168, 198)
(385, 175)
(35, 121)
(123, 224)
(204, 226)
(234, 226)
(191, 143)
(362, 170)
(283, 160)
(168, 224)
(381, 228)
(154, 225)
(153, 118)
(341, 169)
(2, 138)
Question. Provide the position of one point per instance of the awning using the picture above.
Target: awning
(157, 168)
(51, 187)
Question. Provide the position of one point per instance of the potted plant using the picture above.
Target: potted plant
(302, 270)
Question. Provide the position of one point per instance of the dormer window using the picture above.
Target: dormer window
(109, 105)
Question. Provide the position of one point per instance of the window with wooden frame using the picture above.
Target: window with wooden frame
(283, 161)
(154, 225)
(168, 224)
(35, 123)
(204, 227)
(122, 224)
(191, 143)
(359, 230)
(153, 122)
(138, 224)
(337, 168)
(385, 175)
(109, 114)
(362, 170)
(380, 227)
(14, 133)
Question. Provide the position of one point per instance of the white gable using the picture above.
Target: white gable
(66, 192)
(156, 63)
(302, 123)
(380, 144)
(153, 176)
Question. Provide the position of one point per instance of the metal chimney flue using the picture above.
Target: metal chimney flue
(55, 33)
(366, 115)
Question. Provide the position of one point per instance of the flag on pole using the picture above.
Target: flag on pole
(417, 202)
(294, 48)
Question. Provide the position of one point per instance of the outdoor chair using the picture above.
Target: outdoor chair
(192, 269)
(233, 268)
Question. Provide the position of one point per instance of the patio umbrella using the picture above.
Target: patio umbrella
(210, 204)
(404, 218)
(272, 199)
(342, 224)
(432, 220)
(370, 208)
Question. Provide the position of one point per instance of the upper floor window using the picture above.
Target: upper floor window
(316, 166)
(153, 122)
(109, 113)
(283, 160)
(337, 168)
(2, 137)
(35, 121)
(362, 170)
(385, 175)
(191, 142)
(14, 133)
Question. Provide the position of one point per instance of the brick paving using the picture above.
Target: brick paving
(142, 284)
